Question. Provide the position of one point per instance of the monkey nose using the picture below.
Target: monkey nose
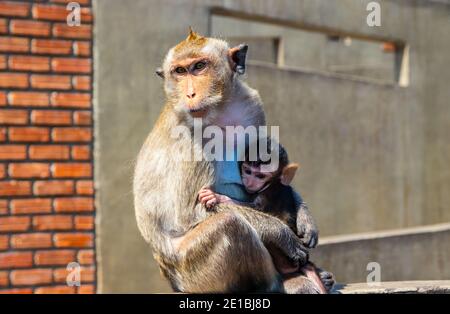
(191, 95)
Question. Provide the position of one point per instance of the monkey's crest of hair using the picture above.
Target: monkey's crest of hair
(193, 40)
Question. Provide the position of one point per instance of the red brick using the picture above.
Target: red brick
(14, 44)
(4, 278)
(2, 137)
(54, 152)
(59, 257)
(77, 100)
(31, 276)
(9, 8)
(28, 170)
(84, 222)
(3, 26)
(86, 289)
(4, 242)
(13, 116)
(71, 65)
(50, 81)
(17, 291)
(85, 187)
(28, 99)
(51, 46)
(2, 98)
(31, 206)
(2, 62)
(29, 134)
(73, 240)
(8, 224)
(14, 80)
(66, 31)
(16, 259)
(13, 152)
(82, 48)
(29, 63)
(55, 290)
(31, 240)
(74, 204)
(29, 27)
(71, 170)
(81, 2)
(82, 117)
(51, 117)
(58, 13)
(15, 188)
(85, 257)
(52, 222)
(72, 134)
(81, 152)
(53, 188)
(82, 82)
(3, 207)
(87, 274)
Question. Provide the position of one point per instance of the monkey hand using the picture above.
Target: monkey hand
(299, 254)
(306, 227)
(207, 197)
(309, 236)
(292, 247)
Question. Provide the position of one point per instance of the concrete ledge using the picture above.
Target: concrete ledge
(395, 287)
(418, 253)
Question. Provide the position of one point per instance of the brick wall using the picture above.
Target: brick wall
(46, 169)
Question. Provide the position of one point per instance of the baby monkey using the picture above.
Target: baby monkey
(271, 192)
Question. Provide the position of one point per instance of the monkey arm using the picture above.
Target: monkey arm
(274, 233)
(306, 227)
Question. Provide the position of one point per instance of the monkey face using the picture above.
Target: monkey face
(254, 179)
(197, 86)
(198, 73)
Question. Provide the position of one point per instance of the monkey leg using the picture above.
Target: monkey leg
(225, 254)
(305, 279)
(297, 283)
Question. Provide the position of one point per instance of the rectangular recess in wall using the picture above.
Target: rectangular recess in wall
(296, 46)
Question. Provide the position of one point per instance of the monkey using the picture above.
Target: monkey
(197, 249)
(273, 194)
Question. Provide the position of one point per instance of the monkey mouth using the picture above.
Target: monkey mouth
(197, 109)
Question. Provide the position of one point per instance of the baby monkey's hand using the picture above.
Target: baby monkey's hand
(207, 197)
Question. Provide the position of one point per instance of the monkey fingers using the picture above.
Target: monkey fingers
(211, 203)
(204, 193)
(310, 238)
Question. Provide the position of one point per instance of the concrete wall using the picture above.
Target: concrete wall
(374, 155)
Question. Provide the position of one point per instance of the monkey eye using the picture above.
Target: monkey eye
(260, 176)
(199, 65)
(248, 171)
(180, 70)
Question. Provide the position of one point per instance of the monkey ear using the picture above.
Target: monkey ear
(160, 72)
(237, 57)
(288, 173)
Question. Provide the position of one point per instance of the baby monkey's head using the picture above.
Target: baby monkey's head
(257, 178)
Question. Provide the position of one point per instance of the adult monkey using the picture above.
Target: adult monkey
(197, 250)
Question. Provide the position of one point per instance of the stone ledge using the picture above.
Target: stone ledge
(395, 287)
